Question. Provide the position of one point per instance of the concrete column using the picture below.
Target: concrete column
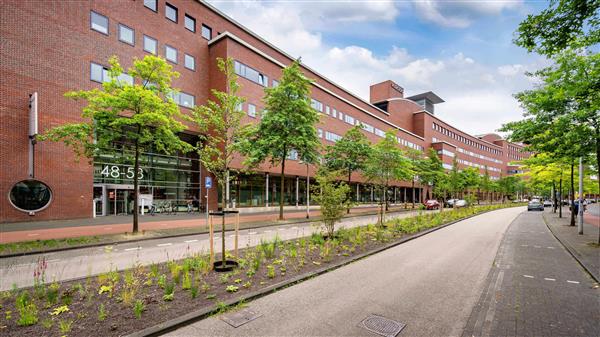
(395, 194)
(357, 192)
(372, 194)
(267, 191)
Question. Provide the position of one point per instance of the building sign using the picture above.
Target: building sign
(120, 171)
(208, 182)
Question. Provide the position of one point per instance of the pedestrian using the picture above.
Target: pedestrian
(196, 203)
(189, 206)
(576, 208)
(152, 209)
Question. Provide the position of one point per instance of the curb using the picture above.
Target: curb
(99, 244)
(573, 252)
(200, 314)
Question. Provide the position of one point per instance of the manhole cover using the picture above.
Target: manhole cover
(240, 317)
(382, 326)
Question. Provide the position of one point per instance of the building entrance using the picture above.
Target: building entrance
(113, 199)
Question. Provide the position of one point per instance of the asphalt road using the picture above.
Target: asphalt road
(430, 284)
(82, 262)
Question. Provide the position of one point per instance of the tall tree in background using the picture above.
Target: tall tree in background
(470, 178)
(349, 154)
(431, 172)
(414, 156)
(565, 24)
(221, 134)
(287, 125)
(386, 164)
(142, 115)
(455, 180)
(486, 184)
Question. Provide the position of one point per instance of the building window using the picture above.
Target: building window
(190, 23)
(206, 32)
(99, 23)
(171, 53)
(316, 105)
(275, 83)
(126, 34)
(334, 113)
(189, 62)
(171, 12)
(150, 44)
(379, 132)
(341, 115)
(151, 4)
(183, 99)
(252, 110)
(367, 127)
(320, 133)
(250, 74)
(349, 119)
(327, 110)
(99, 73)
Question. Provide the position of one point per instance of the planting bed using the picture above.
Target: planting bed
(122, 302)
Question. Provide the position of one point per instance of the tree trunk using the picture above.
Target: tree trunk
(281, 187)
(598, 167)
(560, 194)
(223, 204)
(478, 195)
(554, 196)
(136, 168)
(572, 197)
(413, 193)
(350, 191)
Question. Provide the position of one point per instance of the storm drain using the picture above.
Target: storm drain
(240, 317)
(382, 326)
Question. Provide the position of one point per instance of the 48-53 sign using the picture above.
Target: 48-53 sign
(115, 171)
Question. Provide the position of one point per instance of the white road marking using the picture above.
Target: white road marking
(528, 276)
(549, 279)
(164, 244)
(575, 282)
(281, 228)
(53, 260)
(251, 233)
(524, 245)
(267, 231)
(130, 249)
(190, 241)
(537, 246)
(550, 247)
(294, 228)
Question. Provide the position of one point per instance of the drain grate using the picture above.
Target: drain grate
(381, 325)
(240, 317)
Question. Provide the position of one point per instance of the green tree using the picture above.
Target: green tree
(431, 172)
(332, 197)
(414, 157)
(566, 23)
(386, 164)
(470, 178)
(143, 115)
(486, 184)
(287, 125)
(349, 154)
(507, 186)
(455, 179)
(221, 134)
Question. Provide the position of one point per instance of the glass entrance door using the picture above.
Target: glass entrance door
(119, 201)
(99, 200)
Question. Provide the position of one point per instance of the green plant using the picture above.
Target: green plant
(221, 307)
(169, 292)
(270, 271)
(248, 284)
(162, 281)
(232, 289)
(65, 326)
(175, 272)
(194, 291)
(28, 314)
(59, 310)
(154, 270)
(127, 296)
(8, 315)
(224, 278)
(47, 323)
(52, 293)
(317, 239)
(205, 287)
(211, 296)
(105, 289)
(102, 313)
(138, 308)
(238, 280)
(187, 281)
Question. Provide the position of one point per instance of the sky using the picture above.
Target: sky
(461, 50)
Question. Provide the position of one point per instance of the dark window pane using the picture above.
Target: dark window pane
(30, 195)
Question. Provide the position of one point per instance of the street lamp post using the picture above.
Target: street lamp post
(307, 193)
(580, 209)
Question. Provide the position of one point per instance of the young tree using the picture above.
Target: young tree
(431, 172)
(455, 179)
(414, 156)
(143, 114)
(470, 178)
(349, 154)
(221, 134)
(332, 197)
(287, 125)
(387, 163)
(486, 184)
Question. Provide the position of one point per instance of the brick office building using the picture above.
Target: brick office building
(52, 47)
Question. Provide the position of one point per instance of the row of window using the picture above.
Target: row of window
(468, 163)
(100, 74)
(463, 139)
(99, 23)
(172, 13)
(445, 152)
(472, 154)
(252, 74)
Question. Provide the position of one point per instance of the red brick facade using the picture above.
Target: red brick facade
(47, 47)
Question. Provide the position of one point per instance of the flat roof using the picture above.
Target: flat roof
(433, 98)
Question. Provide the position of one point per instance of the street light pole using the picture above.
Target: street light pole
(580, 209)
(307, 193)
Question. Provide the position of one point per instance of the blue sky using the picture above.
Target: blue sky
(462, 50)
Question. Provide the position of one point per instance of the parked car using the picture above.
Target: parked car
(450, 202)
(547, 203)
(460, 203)
(535, 206)
(431, 204)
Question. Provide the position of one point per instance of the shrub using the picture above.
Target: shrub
(138, 308)
(270, 271)
(28, 314)
(102, 313)
(187, 281)
(65, 326)
(232, 289)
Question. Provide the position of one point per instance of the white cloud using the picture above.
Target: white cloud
(478, 96)
(460, 14)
